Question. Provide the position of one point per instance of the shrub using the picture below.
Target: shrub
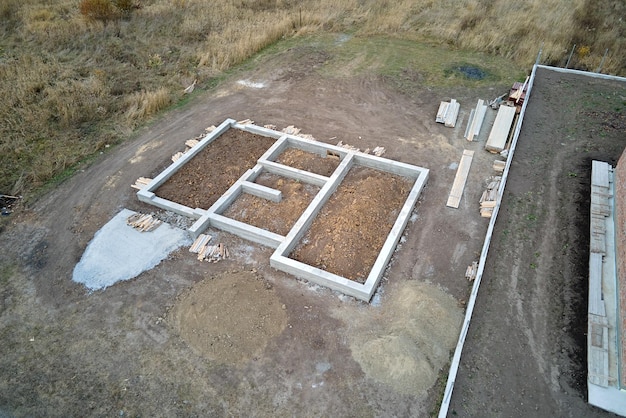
(102, 10)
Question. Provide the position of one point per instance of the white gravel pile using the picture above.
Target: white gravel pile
(119, 252)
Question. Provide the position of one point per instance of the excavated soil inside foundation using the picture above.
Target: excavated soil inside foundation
(350, 230)
(207, 176)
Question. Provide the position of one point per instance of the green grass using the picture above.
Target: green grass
(409, 62)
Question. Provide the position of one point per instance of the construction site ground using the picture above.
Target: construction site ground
(236, 337)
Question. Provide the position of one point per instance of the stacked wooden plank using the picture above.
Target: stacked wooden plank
(199, 244)
(211, 253)
(378, 151)
(477, 116)
(177, 156)
(246, 122)
(498, 166)
(518, 92)
(459, 179)
(291, 130)
(143, 222)
(489, 198)
(191, 142)
(471, 271)
(500, 130)
(448, 113)
(141, 182)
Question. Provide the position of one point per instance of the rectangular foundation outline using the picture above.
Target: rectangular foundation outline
(284, 245)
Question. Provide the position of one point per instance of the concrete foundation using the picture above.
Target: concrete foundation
(285, 244)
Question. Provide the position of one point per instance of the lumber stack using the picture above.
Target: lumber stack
(471, 271)
(211, 253)
(477, 116)
(489, 198)
(191, 142)
(177, 156)
(246, 122)
(143, 222)
(518, 92)
(448, 113)
(500, 129)
(499, 165)
(377, 151)
(141, 183)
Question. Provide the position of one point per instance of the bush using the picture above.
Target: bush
(102, 10)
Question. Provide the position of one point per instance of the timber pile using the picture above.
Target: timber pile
(471, 271)
(499, 165)
(191, 142)
(477, 116)
(348, 146)
(211, 253)
(210, 129)
(448, 113)
(500, 130)
(489, 197)
(518, 92)
(141, 183)
(292, 130)
(246, 122)
(377, 151)
(177, 156)
(143, 223)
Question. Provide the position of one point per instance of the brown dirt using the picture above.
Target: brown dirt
(229, 318)
(277, 217)
(350, 230)
(308, 161)
(526, 351)
(205, 178)
(66, 352)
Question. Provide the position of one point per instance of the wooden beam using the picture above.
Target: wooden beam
(459, 179)
(500, 130)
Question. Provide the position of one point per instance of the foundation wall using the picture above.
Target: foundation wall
(328, 185)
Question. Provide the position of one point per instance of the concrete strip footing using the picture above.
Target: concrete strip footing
(243, 230)
(261, 191)
(294, 173)
(284, 245)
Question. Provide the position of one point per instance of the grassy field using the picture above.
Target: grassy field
(77, 76)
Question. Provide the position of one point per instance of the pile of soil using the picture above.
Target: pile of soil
(229, 318)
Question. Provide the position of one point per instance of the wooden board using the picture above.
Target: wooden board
(452, 114)
(600, 173)
(459, 179)
(596, 303)
(477, 116)
(500, 130)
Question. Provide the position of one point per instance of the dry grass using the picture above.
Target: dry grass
(71, 85)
